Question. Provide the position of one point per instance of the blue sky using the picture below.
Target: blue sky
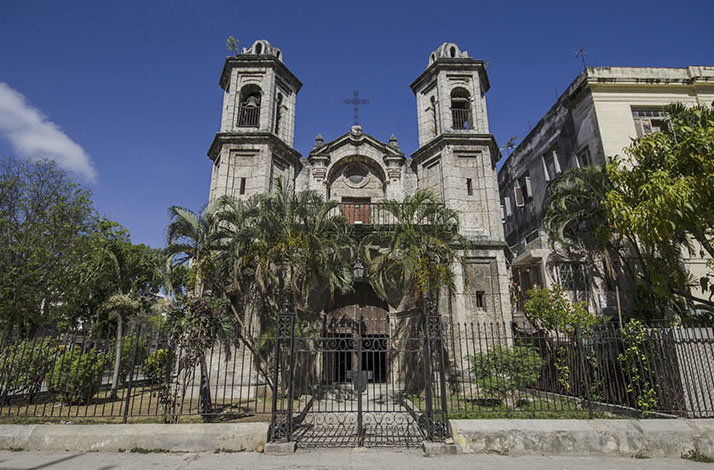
(126, 93)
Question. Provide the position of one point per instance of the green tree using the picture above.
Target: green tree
(302, 244)
(578, 222)
(192, 241)
(120, 276)
(44, 220)
(417, 254)
(662, 198)
(195, 324)
(550, 308)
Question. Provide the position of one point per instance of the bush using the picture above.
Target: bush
(154, 366)
(551, 308)
(23, 367)
(502, 371)
(75, 378)
(127, 349)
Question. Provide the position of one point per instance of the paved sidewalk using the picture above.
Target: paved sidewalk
(326, 459)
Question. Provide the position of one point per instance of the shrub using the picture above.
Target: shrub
(551, 309)
(23, 367)
(75, 377)
(127, 349)
(503, 371)
(154, 366)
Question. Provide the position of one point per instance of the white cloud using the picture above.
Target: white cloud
(33, 136)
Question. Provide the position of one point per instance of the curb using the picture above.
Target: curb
(235, 437)
(602, 437)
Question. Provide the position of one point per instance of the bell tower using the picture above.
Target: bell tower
(254, 144)
(456, 160)
(457, 156)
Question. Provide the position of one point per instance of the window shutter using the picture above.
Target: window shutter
(529, 188)
(545, 168)
(556, 163)
(518, 196)
(638, 128)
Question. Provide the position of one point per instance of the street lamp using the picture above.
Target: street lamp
(358, 270)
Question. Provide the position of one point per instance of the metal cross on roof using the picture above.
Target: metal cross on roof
(356, 101)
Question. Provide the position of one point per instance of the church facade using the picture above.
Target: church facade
(456, 160)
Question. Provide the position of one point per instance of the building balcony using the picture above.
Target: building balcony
(367, 214)
(248, 116)
(461, 118)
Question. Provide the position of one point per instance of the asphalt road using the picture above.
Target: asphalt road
(326, 459)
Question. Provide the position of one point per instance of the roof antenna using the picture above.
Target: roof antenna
(581, 53)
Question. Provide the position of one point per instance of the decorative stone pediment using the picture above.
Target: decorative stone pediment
(388, 158)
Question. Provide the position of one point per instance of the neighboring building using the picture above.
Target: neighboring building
(593, 120)
(456, 160)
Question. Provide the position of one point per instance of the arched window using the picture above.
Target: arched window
(249, 106)
(278, 112)
(258, 48)
(452, 51)
(461, 109)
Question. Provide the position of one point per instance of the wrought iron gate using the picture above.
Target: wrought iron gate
(359, 382)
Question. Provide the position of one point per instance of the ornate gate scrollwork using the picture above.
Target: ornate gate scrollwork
(359, 383)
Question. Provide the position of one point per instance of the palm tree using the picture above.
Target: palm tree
(417, 254)
(119, 307)
(123, 273)
(191, 239)
(576, 218)
(302, 244)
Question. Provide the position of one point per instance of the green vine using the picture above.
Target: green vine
(561, 366)
(636, 363)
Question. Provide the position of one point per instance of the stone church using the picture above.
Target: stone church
(456, 160)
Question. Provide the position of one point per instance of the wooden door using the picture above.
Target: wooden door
(356, 209)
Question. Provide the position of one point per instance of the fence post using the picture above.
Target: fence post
(131, 374)
(438, 421)
(284, 332)
(584, 365)
(166, 393)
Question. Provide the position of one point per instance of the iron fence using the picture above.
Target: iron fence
(520, 371)
(488, 370)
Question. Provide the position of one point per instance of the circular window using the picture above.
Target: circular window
(356, 174)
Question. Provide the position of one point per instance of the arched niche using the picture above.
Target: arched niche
(356, 177)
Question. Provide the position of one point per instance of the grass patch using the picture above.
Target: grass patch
(227, 451)
(143, 408)
(696, 456)
(526, 408)
(141, 450)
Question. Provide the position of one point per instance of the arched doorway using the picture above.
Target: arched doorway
(358, 332)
